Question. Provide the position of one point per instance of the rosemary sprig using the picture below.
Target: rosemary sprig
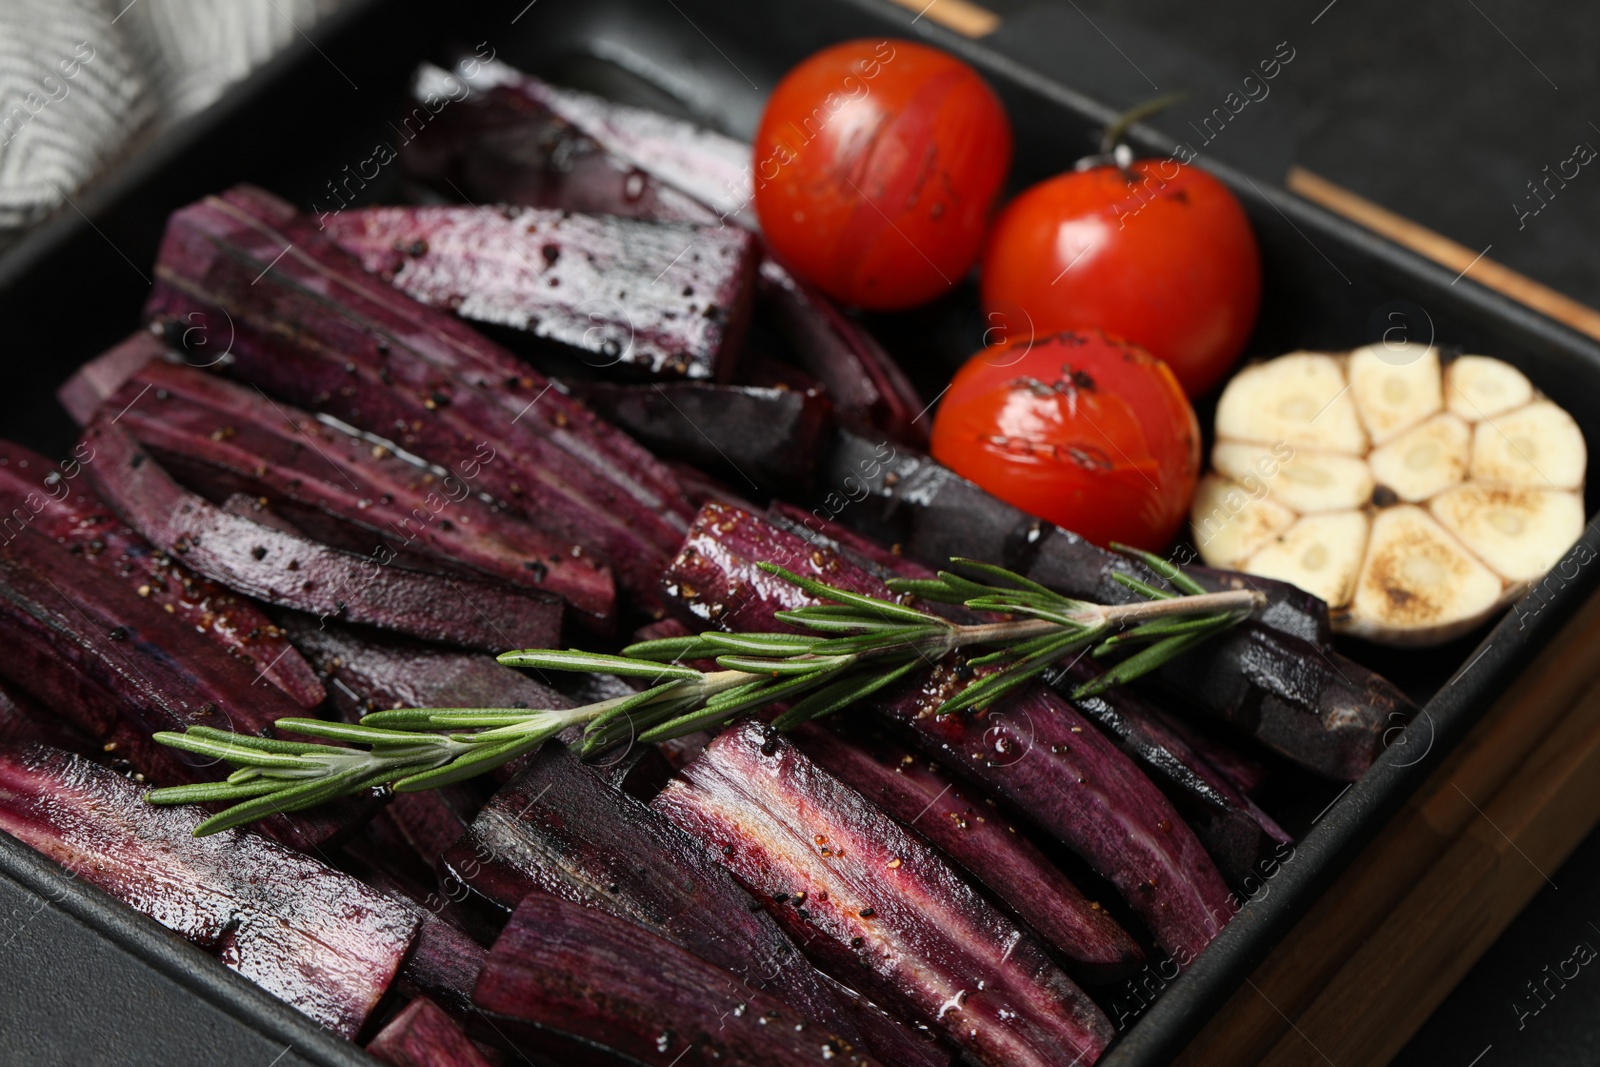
(856, 645)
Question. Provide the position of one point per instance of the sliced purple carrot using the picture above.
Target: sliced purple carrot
(866, 898)
(310, 935)
(672, 299)
(297, 572)
(575, 981)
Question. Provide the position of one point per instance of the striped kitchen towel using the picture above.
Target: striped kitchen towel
(84, 82)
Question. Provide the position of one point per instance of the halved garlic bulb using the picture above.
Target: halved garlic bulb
(1417, 498)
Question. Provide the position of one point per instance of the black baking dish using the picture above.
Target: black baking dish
(87, 981)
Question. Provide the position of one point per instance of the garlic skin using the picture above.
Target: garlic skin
(1417, 496)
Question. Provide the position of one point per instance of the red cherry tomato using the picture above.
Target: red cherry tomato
(1166, 260)
(1089, 432)
(876, 165)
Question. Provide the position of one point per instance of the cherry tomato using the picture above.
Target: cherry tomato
(1162, 255)
(876, 165)
(1092, 433)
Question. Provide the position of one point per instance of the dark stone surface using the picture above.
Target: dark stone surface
(1430, 109)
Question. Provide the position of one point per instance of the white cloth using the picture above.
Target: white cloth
(84, 82)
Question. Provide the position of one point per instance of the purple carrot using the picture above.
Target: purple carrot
(1242, 772)
(559, 827)
(870, 390)
(367, 322)
(310, 935)
(1324, 712)
(93, 383)
(424, 1036)
(715, 171)
(502, 145)
(772, 437)
(922, 796)
(1234, 830)
(672, 299)
(247, 266)
(256, 509)
(816, 526)
(858, 891)
(903, 497)
(889, 1037)
(433, 821)
(379, 854)
(49, 499)
(22, 719)
(369, 672)
(120, 668)
(1231, 827)
(573, 981)
(516, 139)
(713, 168)
(1073, 782)
(1269, 676)
(299, 573)
(444, 961)
(345, 489)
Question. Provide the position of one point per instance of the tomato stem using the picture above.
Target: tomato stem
(1137, 113)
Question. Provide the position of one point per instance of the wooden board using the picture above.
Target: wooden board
(963, 16)
(1467, 262)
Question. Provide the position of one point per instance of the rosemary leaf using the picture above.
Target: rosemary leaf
(1011, 579)
(671, 649)
(231, 750)
(574, 659)
(345, 731)
(798, 665)
(1014, 652)
(707, 718)
(840, 694)
(1165, 568)
(265, 744)
(1160, 628)
(991, 688)
(425, 719)
(825, 610)
(1052, 614)
(1141, 663)
(840, 623)
(926, 589)
(1142, 588)
(720, 711)
(844, 596)
(478, 761)
(769, 693)
(907, 637)
(733, 696)
(624, 708)
(205, 792)
(761, 644)
(284, 798)
(601, 736)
